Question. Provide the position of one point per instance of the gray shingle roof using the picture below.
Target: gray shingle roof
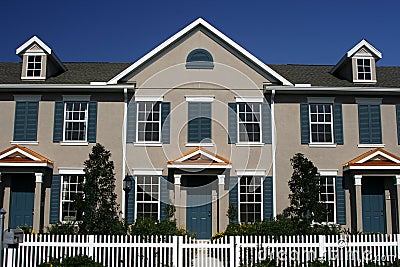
(320, 76)
(77, 73)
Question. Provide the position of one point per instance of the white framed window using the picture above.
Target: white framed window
(148, 122)
(250, 199)
(249, 122)
(75, 121)
(147, 197)
(321, 123)
(327, 196)
(71, 187)
(364, 69)
(34, 66)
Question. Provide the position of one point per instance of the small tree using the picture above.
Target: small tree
(305, 189)
(98, 205)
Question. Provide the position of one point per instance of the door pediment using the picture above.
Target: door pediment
(23, 157)
(374, 160)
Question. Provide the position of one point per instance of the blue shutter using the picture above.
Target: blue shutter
(338, 124)
(26, 121)
(232, 123)
(266, 123)
(165, 122)
(340, 201)
(375, 122)
(369, 121)
(55, 198)
(267, 198)
(304, 124)
(92, 122)
(398, 122)
(233, 194)
(131, 123)
(164, 196)
(58, 121)
(130, 203)
(20, 121)
(199, 122)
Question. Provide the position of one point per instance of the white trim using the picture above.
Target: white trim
(249, 144)
(372, 168)
(35, 53)
(28, 98)
(370, 145)
(18, 150)
(323, 172)
(273, 156)
(78, 87)
(124, 127)
(376, 154)
(198, 166)
(74, 143)
(65, 121)
(251, 172)
(185, 31)
(397, 182)
(368, 101)
(249, 99)
(302, 85)
(147, 144)
(320, 100)
(254, 202)
(357, 179)
(70, 171)
(200, 98)
(24, 143)
(143, 172)
(325, 145)
(149, 98)
(76, 98)
(34, 39)
(39, 177)
(199, 151)
(358, 46)
(39, 164)
(32, 78)
(320, 89)
(199, 144)
(221, 179)
(365, 81)
(177, 179)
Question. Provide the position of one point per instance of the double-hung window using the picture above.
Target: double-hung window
(327, 196)
(249, 122)
(364, 69)
(250, 198)
(71, 188)
(148, 122)
(75, 121)
(321, 123)
(147, 196)
(34, 66)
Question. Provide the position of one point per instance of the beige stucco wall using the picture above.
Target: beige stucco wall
(287, 123)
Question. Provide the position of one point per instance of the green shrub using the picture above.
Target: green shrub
(318, 263)
(148, 226)
(72, 262)
(60, 228)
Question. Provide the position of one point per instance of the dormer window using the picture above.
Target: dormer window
(199, 59)
(364, 69)
(34, 66)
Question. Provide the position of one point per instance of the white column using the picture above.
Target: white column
(358, 204)
(37, 201)
(397, 184)
(177, 201)
(222, 220)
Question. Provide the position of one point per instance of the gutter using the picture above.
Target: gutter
(273, 151)
(124, 125)
(72, 87)
(300, 89)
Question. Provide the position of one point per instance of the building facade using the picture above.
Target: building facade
(202, 124)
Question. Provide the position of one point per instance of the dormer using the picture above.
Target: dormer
(358, 65)
(39, 61)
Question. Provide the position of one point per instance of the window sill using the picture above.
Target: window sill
(147, 144)
(250, 144)
(24, 142)
(370, 145)
(74, 143)
(322, 145)
(199, 144)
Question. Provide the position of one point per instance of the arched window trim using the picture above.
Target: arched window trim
(204, 64)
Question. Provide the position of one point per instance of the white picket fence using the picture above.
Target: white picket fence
(243, 251)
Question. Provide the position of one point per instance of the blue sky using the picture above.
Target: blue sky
(277, 32)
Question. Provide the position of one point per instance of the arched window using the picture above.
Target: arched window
(199, 59)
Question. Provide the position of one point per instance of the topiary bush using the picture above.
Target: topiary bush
(72, 262)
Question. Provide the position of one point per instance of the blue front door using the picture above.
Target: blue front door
(373, 205)
(198, 215)
(22, 200)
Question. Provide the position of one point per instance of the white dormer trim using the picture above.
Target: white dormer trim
(361, 44)
(31, 41)
(186, 30)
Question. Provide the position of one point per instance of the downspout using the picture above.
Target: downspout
(273, 150)
(124, 151)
